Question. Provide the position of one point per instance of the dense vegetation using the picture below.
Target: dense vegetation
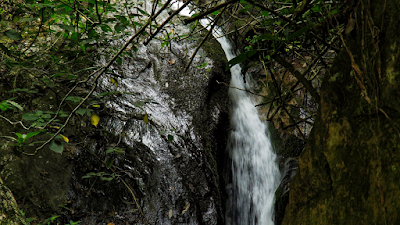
(50, 51)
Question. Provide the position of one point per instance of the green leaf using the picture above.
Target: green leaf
(240, 58)
(89, 175)
(5, 49)
(66, 27)
(27, 19)
(119, 27)
(170, 138)
(4, 106)
(13, 35)
(30, 116)
(75, 36)
(109, 164)
(16, 105)
(267, 36)
(73, 98)
(146, 118)
(215, 13)
(81, 111)
(106, 178)
(56, 146)
(119, 61)
(300, 32)
(265, 14)
(31, 134)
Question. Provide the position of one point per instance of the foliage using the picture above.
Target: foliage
(294, 44)
(49, 45)
(49, 50)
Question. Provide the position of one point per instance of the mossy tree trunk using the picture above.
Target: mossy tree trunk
(349, 172)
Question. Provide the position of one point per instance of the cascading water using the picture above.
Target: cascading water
(255, 173)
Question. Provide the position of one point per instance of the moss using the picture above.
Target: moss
(349, 171)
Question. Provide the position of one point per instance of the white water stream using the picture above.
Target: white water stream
(255, 173)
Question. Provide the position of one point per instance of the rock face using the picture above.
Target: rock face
(349, 171)
(171, 130)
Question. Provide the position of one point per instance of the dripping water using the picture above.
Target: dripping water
(255, 174)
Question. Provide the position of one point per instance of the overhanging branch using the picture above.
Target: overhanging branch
(307, 84)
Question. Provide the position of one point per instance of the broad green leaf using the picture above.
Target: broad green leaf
(66, 27)
(94, 120)
(13, 35)
(4, 106)
(119, 27)
(89, 175)
(56, 146)
(300, 32)
(81, 112)
(240, 58)
(22, 90)
(74, 36)
(119, 61)
(30, 116)
(265, 14)
(16, 105)
(109, 163)
(110, 150)
(19, 135)
(106, 178)
(31, 134)
(170, 138)
(27, 19)
(267, 37)
(146, 118)
(73, 98)
(5, 49)
(215, 13)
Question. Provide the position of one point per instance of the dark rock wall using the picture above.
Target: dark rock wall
(349, 171)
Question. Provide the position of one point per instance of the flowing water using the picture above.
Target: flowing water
(255, 174)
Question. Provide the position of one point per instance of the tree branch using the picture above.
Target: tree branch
(166, 21)
(207, 12)
(99, 73)
(300, 77)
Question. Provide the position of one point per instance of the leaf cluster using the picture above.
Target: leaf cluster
(293, 42)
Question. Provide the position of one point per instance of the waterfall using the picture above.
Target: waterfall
(255, 174)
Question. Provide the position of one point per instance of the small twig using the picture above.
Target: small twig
(133, 195)
(37, 35)
(390, 120)
(207, 12)
(300, 77)
(239, 89)
(268, 10)
(82, 14)
(14, 123)
(203, 41)
(166, 21)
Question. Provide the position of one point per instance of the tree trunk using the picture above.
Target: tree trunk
(349, 172)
